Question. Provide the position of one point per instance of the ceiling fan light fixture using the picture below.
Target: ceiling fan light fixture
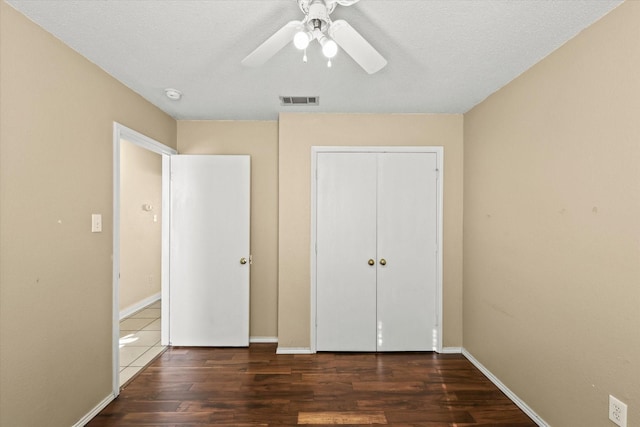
(317, 25)
(301, 39)
(329, 47)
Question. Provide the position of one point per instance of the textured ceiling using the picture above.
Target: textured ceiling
(444, 56)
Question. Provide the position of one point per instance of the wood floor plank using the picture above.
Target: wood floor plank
(388, 386)
(254, 386)
(342, 418)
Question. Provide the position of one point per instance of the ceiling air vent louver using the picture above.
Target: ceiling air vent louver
(299, 100)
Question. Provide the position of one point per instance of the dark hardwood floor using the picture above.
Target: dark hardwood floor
(256, 387)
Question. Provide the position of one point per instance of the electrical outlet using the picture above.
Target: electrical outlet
(617, 411)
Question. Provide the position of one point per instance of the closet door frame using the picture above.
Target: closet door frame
(439, 152)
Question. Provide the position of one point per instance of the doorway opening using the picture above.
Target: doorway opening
(145, 300)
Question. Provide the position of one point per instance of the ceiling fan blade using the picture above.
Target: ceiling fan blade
(272, 45)
(356, 46)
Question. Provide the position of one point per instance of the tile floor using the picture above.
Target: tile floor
(139, 341)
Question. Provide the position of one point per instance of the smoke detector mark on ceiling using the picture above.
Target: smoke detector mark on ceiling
(173, 94)
(290, 101)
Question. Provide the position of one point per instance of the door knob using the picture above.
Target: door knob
(371, 262)
(243, 261)
(383, 261)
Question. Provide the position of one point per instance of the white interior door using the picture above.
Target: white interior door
(346, 241)
(209, 266)
(408, 243)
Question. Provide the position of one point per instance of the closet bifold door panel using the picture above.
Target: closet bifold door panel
(346, 242)
(407, 242)
(376, 251)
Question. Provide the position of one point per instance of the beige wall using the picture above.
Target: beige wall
(140, 229)
(298, 133)
(552, 226)
(259, 139)
(56, 118)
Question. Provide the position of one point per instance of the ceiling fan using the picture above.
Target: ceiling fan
(317, 25)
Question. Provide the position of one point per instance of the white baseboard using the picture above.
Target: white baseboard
(511, 395)
(294, 350)
(139, 305)
(263, 340)
(95, 411)
(306, 350)
(451, 350)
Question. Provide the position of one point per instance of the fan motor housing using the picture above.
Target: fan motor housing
(317, 9)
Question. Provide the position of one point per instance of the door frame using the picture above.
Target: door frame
(121, 132)
(439, 152)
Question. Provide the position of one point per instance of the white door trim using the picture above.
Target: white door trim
(121, 132)
(439, 151)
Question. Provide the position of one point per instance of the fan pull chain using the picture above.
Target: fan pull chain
(304, 57)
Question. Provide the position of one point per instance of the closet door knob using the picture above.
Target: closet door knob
(243, 261)
(371, 262)
(383, 261)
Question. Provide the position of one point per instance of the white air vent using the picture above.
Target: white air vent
(299, 100)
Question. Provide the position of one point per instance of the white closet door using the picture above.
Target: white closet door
(209, 288)
(407, 241)
(346, 241)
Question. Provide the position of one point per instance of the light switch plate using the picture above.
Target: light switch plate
(96, 223)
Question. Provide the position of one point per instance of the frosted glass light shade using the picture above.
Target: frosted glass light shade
(301, 40)
(329, 48)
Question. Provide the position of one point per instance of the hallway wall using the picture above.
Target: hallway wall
(140, 229)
